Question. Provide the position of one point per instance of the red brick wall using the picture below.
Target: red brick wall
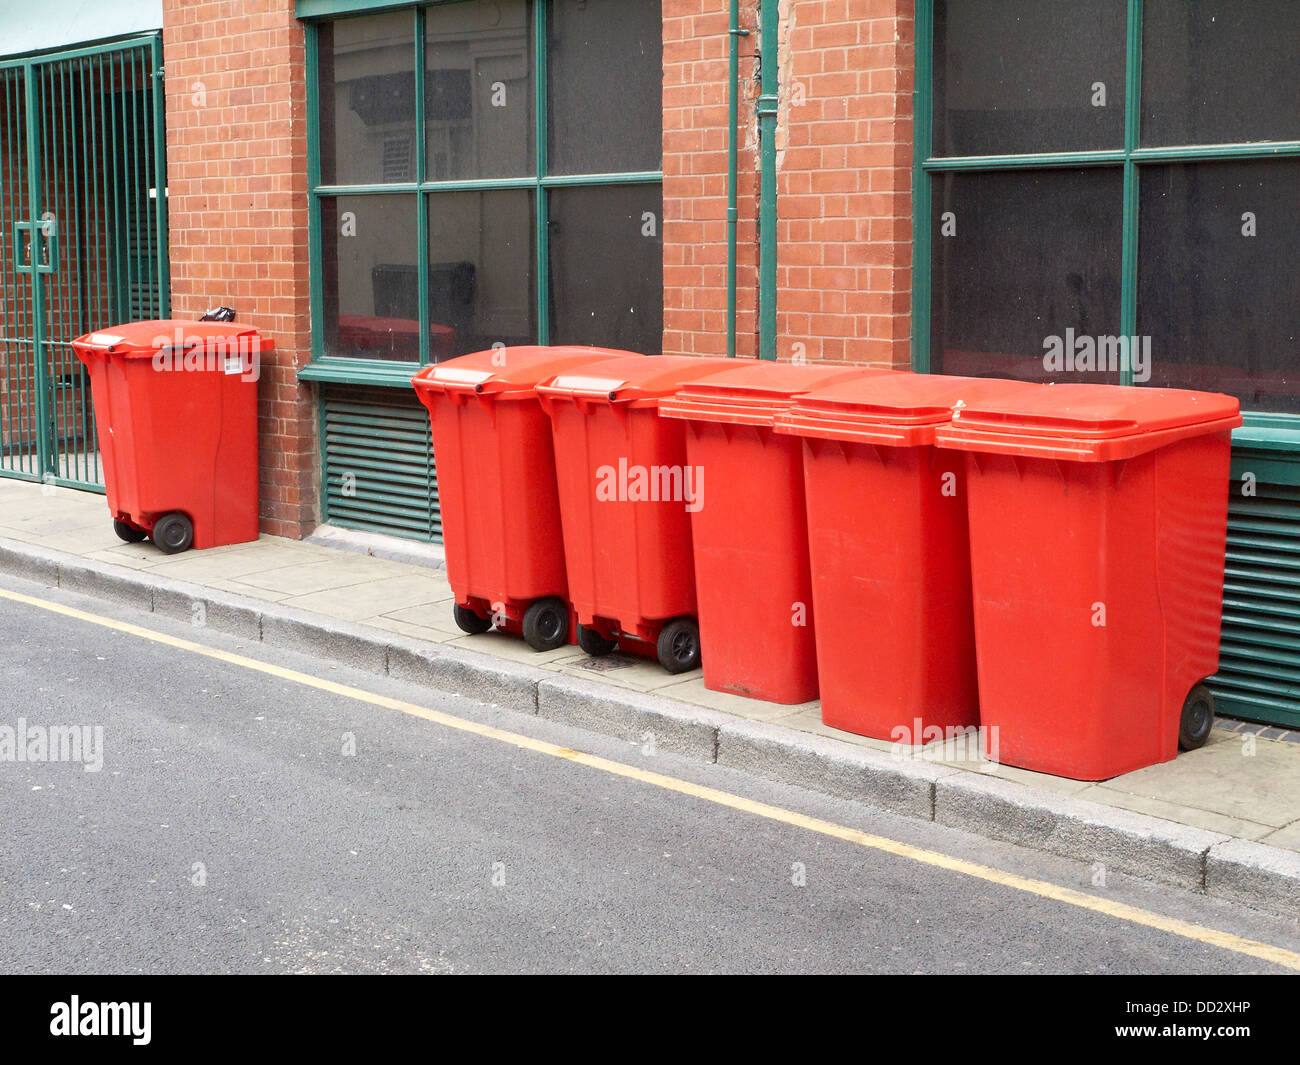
(237, 183)
(844, 141)
(695, 180)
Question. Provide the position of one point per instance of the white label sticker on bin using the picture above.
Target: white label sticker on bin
(234, 365)
(460, 376)
(105, 340)
(588, 384)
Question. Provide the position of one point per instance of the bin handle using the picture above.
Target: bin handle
(611, 390)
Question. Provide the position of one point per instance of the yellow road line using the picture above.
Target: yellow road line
(1041, 888)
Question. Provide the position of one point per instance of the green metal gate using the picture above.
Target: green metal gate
(83, 239)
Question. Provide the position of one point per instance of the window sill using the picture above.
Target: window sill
(359, 372)
(1268, 433)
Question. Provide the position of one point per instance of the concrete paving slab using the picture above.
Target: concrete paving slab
(1224, 778)
(306, 578)
(810, 720)
(415, 632)
(1172, 811)
(366, 598)
(637, 674)
(434, 616)
(506, 645)
(1287, 838)
(694, 691)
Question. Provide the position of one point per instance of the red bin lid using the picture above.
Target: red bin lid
(632, 380)
(509, 371)
(900, 409)
(1088, 423)
(168, 334)
(753, 392)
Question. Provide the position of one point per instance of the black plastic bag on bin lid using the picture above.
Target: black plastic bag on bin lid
(219, 314)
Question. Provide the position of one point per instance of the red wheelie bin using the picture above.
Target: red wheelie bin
(1098, 518)
(626, 497)
(888, 546)
(176, 419)
(496, 487)
(752, 577)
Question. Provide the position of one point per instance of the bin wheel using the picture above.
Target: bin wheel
(467, 621)
(128, 533)
(679, 645)
(1197, 718)
(546, 624)
(173, 533)
(594, 643)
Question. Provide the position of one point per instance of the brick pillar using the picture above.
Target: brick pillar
(844, 141)
(237, 205)
(695, 180)
(845, 180)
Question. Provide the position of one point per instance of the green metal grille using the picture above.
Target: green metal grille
(82, 239)
(1259, 674)
(378, 462)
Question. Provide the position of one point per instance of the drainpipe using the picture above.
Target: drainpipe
(769, 22)
(734, 33)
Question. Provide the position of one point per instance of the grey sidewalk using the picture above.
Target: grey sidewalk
(1225, 819)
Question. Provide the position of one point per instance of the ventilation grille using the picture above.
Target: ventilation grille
(378, 459)
(1259, 667)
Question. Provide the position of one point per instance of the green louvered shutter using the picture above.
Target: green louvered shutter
(378, 462)
(1259, 668)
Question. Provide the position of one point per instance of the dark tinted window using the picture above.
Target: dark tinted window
(482, 270)
(606, 254)
(1218, 287)
(1014, 76)
(369, 277)
(605, 86)
(367, 99)
(479, 101)
(1021, 257)
(1220, 71)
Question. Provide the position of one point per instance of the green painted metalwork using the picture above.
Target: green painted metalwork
(377, 454)
(1130, 158)
(421, 215)
(326, 9)
(734, 33)
(541, 202)
(1128, 269)
(1259, 678)
(315, 285)
(359, 372)
(1259, 660)
(326, 367)
(922, 142)
(768, 104)
(83, 190)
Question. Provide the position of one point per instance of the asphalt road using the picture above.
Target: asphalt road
(232, 829)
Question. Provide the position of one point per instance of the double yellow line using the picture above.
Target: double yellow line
(936, 859)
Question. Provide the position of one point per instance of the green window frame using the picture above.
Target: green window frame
(1265, 428)
(339, 369)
